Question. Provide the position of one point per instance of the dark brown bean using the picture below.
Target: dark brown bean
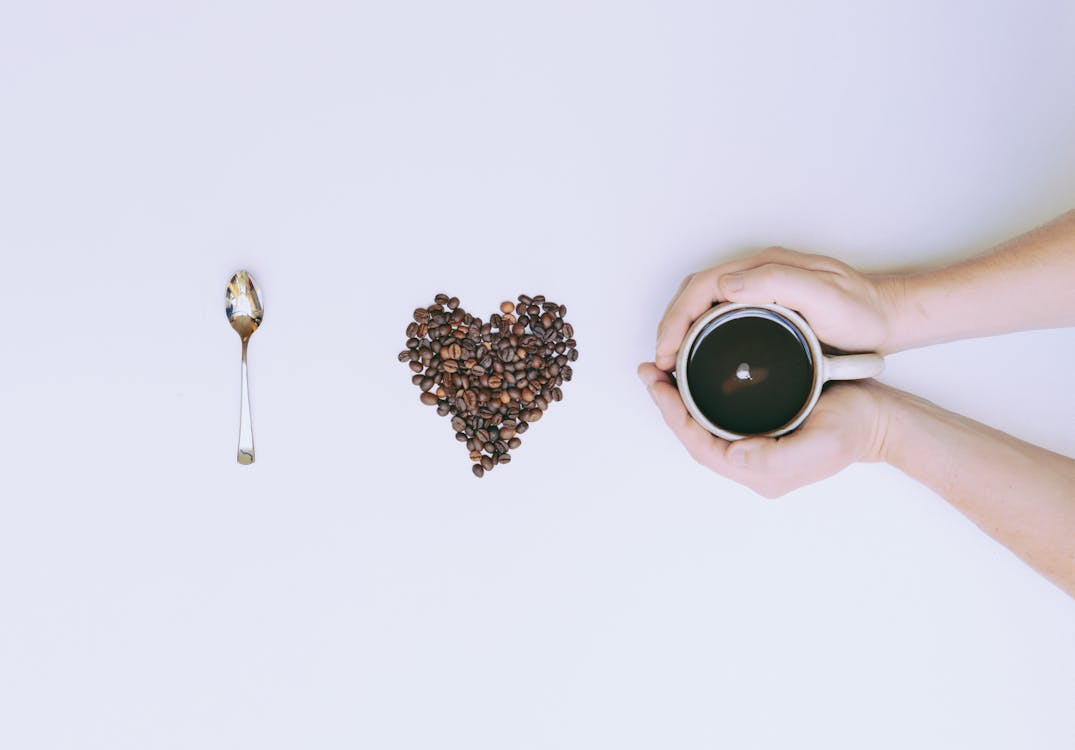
(478, 470)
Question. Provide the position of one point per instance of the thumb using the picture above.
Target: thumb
(790, 286)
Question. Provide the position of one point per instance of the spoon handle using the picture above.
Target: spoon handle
(246, 432)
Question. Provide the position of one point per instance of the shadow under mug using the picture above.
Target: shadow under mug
(823, 367)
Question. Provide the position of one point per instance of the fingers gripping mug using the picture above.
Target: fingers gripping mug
(748, 370)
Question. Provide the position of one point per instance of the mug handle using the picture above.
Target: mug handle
(853, 366)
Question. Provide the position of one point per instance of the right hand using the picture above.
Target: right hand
(847, 309)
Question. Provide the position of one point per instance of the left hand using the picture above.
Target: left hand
(846, 426)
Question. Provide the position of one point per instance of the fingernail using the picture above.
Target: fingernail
(733, 282)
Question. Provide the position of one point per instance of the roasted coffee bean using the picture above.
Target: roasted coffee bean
(479, 472)
(492, 378)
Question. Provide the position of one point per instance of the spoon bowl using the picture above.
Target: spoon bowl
(244, 309)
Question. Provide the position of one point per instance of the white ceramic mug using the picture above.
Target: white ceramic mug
(825, 367)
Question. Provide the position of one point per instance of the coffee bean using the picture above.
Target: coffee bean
(492, 378)
(478, 470)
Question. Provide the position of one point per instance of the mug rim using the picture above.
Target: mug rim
(722, 309)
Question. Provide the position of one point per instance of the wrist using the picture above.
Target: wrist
(893, 292)
(901, 417)
(893, 410)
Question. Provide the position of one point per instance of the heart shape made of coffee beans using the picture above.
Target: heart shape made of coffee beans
(494, 379)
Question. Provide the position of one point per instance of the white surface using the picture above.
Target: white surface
(357, 587)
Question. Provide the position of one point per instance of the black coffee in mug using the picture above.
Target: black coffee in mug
(750, 373)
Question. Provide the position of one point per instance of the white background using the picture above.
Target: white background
(357, 587)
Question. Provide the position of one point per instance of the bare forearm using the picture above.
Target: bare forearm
(1021, 495)
(1026, 283)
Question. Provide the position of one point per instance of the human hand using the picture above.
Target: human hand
(847, 425)
(846, 309)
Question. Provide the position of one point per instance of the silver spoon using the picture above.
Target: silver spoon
(245, 312)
